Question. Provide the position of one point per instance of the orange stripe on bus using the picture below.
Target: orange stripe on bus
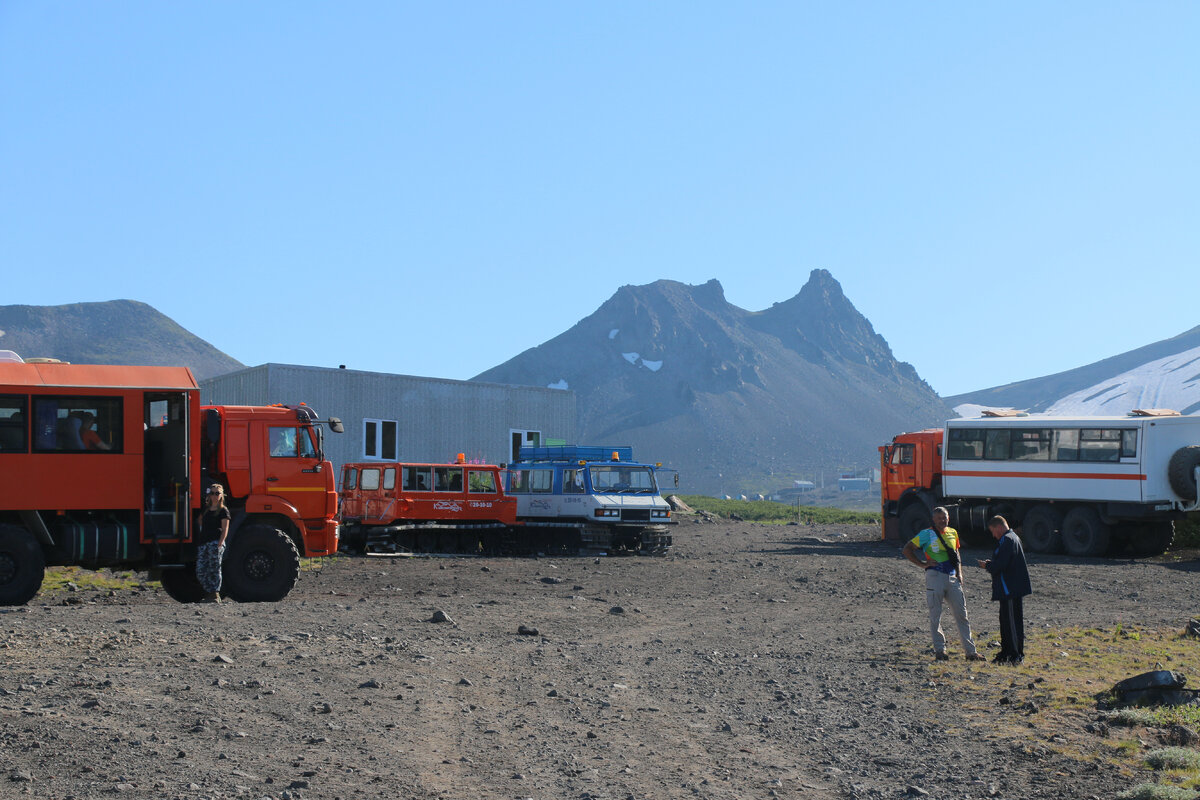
(1076, 476)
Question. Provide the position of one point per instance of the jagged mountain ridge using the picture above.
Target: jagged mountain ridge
(735, 399)
(112, 332)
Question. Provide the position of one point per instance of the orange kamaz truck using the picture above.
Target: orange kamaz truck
(106, 466)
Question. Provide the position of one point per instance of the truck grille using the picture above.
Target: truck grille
(635, 515)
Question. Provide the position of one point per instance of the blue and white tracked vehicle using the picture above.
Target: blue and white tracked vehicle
(610, 499)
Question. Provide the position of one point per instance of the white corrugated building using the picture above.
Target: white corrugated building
(404, 417)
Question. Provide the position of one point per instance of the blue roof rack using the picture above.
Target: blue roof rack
(576, 452)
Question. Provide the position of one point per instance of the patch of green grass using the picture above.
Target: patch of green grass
(316, 563)
(60, 579)
(1173, 758)
(779, 513)
(1155, 717)
(1157, 791)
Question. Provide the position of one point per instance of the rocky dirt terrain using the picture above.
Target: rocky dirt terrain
(754, 661)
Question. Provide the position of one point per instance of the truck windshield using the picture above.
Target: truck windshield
(622, 479)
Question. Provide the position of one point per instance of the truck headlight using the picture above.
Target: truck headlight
(607, 512)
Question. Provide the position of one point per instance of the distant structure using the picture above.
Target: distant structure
(854, 484)
(406, 418)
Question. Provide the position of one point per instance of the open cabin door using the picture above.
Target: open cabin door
(167, 502)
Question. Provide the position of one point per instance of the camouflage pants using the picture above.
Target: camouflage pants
(208, 566)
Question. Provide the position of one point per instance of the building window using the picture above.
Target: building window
(522, 438)
(379, 439)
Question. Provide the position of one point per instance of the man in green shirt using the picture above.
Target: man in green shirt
(943, 581)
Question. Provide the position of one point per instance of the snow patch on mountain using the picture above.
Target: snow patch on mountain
(613, 333)
(632, 358)
(1171, 382)
(653, 366)
(561, 383)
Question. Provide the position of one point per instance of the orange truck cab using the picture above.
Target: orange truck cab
(106, 466)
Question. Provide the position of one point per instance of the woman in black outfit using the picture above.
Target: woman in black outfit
(214, 527)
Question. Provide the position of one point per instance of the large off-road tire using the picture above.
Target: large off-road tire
(1084, 534)
(261, 565)
(22, 566)
(1181, 471)
(1041, 530)
(1151, 538)
(182, 585)
(914, 519)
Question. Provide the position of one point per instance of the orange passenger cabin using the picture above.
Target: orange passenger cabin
(383, 493)
(82, 442)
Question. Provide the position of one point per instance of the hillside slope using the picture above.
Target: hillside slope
(114, 332)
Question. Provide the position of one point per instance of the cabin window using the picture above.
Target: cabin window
(350, 478)
(78, 424)
(541, 480)
(572, 481)
(481, 481)
(417, 479)
(965, 443)
(369, 480)
(1099, 444)
(1066, 445)
(903, 454)
(1129, 443)
(1031, 445)
(14, 425)
(389, 478)
(291, 442)
(447, 479)
(997, 444)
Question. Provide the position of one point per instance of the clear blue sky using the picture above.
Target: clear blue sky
(1005, 190)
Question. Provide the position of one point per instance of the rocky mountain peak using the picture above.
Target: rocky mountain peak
(679, 371)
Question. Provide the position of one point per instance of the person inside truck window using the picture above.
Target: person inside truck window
(69, 431)
(87, 433)
(283, 442)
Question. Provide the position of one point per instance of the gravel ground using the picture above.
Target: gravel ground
(754, 661)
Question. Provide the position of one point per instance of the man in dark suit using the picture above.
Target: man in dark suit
(1010, 585)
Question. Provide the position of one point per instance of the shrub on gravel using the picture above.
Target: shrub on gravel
(1187, 532)
(1157, 791)
(1173, 758)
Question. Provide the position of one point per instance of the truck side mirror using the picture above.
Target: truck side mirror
(335, 425)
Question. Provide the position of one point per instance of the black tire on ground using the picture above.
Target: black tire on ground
(1152, 538)
(261, 565)
(914, 519)
(1083, 533)
(182, 585)
(1041, 530)
(22, 566)
(1181, 471)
